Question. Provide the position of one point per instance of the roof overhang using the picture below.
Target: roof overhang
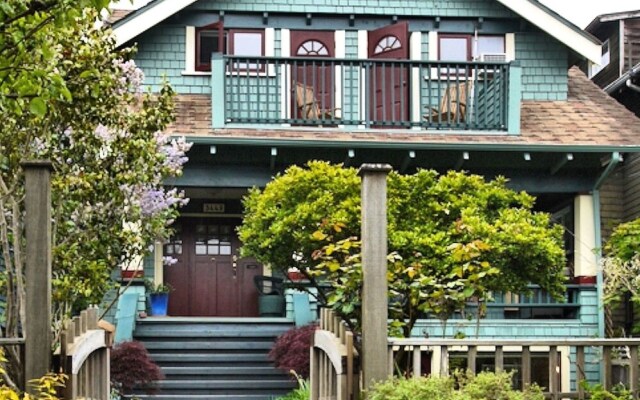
(146, 18)
(558, 27)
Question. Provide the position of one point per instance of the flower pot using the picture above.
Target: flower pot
(130, 274)
(295, 276)
(159, 303)
(271, 305)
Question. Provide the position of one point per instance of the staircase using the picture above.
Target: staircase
(215, 358)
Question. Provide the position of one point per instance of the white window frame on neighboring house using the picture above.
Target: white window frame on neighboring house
(594, 69)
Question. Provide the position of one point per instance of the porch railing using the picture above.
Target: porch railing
(537, 303)
(367, 93)
(334, 361)
(84, 357)
(568, 361)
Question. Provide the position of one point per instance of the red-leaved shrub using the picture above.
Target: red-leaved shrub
(291, 350)
(131, 366)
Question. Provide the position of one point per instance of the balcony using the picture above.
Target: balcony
(361, 94)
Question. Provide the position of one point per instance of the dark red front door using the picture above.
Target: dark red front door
(317, 76)
(389, 82)
(209, 279)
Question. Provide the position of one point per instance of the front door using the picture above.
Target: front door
(389, 81)
(208, 277)
(313, 80)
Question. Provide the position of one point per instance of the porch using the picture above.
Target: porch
(365, 93)
(557, 365)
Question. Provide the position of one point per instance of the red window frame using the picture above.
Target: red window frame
(217, 26)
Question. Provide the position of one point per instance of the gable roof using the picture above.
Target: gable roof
(603, 18)
(590, 120)
(531, 10)
(147, 17)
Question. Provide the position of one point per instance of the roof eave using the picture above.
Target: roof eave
(146, 18)
(372, 144)
(564, 31)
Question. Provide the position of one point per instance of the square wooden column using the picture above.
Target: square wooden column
(37, 327)
(374, 272)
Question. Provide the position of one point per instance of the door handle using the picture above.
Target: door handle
(213, 258)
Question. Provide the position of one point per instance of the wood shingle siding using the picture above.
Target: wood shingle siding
(632, 187)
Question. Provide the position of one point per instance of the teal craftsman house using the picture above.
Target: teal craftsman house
(485, 86)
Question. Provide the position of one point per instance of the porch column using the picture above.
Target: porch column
(374, 272)
(37, 326)
(585, 261)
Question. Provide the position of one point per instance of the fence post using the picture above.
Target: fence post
(37, 327)
(374, 272)
(514, 98)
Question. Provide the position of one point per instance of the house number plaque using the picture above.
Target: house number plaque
(213, 207)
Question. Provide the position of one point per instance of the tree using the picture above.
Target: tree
(78, 102)
(453, 237)
(621, 264)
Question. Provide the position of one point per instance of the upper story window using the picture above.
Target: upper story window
(214, 38)
(461, 47)
(605, 59)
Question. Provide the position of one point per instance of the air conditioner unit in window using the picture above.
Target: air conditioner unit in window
(493, 57)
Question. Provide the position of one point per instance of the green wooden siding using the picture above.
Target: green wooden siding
(162, 49)
(451, 8)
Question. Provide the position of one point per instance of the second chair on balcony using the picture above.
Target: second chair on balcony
(310, 108)
(453, 105)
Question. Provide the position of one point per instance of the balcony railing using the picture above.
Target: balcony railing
(368, 93)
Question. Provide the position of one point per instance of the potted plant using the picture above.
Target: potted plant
(158, 297)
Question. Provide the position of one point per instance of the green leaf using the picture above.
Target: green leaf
(38, 107)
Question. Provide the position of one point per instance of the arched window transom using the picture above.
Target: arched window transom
(312, 48)
(387, 43)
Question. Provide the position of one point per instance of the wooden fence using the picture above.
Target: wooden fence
(565, 360)
(84, 357)
(334, 361)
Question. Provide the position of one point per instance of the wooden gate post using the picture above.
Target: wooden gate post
(374, 272)
(37, 327)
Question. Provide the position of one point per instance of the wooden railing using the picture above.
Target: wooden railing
(334, 361)
(365, 93)
(84, 357)
(568, 360)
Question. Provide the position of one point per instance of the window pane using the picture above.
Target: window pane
(208, 45)
(490, 45)
(225, 250)
(213, 250)
(168, 249)
(247, 43)
(453, 49)
(178, 248)
(201, 249)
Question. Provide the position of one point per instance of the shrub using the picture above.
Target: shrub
(431, 388)
(132, 366)
(291, 350)
(485, 385)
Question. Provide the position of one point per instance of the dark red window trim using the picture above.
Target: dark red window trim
(219, 26)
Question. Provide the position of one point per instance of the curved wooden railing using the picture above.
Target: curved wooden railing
(84, 356)
(334, 361)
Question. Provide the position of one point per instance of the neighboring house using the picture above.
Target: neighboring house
(618, 74)
(485, 86)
